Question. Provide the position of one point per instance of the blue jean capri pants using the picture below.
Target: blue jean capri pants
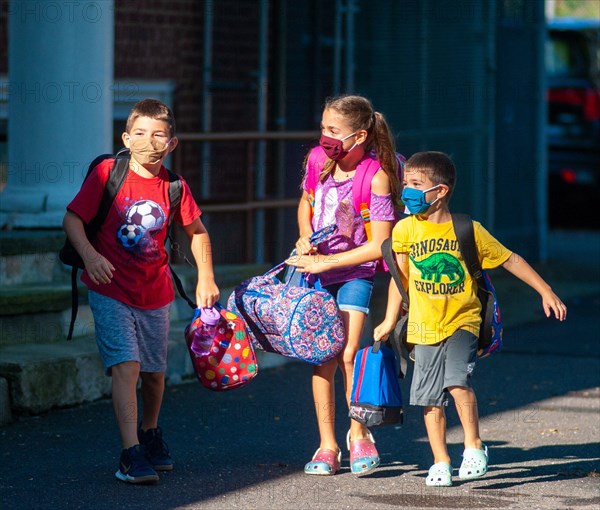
(352, 295)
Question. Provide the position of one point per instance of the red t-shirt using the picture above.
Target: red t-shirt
(133, 235)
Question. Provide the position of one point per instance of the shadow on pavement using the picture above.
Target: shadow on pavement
(537, 402)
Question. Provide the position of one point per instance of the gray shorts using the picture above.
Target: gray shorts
(441, 366)
(125, 333)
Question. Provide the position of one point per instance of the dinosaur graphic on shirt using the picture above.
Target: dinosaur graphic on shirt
(439, 264)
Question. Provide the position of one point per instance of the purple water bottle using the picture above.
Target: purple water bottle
(205, 333)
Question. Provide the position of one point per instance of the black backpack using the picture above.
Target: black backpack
(69, 256)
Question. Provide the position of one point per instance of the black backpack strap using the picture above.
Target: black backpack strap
(465, 235)
(175, 190)
(74, 301)
(175, 187)
(180, 289)
(398, 336)
(116, 178)
(115, 181)
(390, 260)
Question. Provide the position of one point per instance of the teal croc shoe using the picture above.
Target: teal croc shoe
(440, 475)
(474, 463)
(324, 462)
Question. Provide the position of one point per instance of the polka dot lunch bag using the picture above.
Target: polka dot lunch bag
(221, 352)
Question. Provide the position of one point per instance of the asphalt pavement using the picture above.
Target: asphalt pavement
(539, 402)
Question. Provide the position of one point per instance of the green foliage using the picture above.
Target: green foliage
(577, 9)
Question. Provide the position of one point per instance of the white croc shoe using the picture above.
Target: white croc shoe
(474, 463)
(440, 475)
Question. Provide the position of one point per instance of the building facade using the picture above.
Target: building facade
(463, 76)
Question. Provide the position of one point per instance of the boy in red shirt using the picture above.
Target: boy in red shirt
(129, 281)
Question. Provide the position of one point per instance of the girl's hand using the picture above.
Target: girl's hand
(382, 332)
(552, 303)
(312, 264)
(303, 246)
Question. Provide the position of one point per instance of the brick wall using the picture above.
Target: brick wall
(163, 39)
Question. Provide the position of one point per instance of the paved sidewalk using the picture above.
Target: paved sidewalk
(539, 402)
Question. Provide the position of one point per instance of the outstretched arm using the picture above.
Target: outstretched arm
(207, 292)
(550, 301)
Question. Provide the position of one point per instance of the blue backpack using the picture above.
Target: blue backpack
(490, 332)
(376, 398)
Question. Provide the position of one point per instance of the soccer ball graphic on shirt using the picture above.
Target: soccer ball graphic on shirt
(146, 214)
(142, 218)
(130, 235)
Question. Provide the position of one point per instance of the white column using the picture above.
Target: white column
(60, 102)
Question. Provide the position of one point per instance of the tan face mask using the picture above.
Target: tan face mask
(148, 151)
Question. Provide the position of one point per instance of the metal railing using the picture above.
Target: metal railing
(255, 203)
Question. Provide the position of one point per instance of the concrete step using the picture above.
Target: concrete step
(40, 370)
(41, 312)
(44, 376)
(30, 257)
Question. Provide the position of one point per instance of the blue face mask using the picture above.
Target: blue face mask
(414, 200)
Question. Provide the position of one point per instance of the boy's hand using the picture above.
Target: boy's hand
(382, 332)
(207, 293)
(99, 269)
(552, 303)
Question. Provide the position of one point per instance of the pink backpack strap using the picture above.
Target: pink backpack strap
(365, 171)
(361, 185)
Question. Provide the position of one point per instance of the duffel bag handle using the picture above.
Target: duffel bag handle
(274, 271)
(320, 236)
(323, 234)
(317, 237)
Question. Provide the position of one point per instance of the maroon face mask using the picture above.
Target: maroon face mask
(334, 148)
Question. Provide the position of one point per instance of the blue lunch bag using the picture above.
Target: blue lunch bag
(376, 399)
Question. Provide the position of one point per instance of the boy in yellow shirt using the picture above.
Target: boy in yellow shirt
(444, 310)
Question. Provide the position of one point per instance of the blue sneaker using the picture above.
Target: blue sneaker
(157, 451)
(134, 467)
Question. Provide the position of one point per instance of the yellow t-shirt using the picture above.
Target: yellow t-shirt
(443, 296)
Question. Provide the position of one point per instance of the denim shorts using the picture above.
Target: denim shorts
(442, 366)
(352, 295)
(125, 333)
